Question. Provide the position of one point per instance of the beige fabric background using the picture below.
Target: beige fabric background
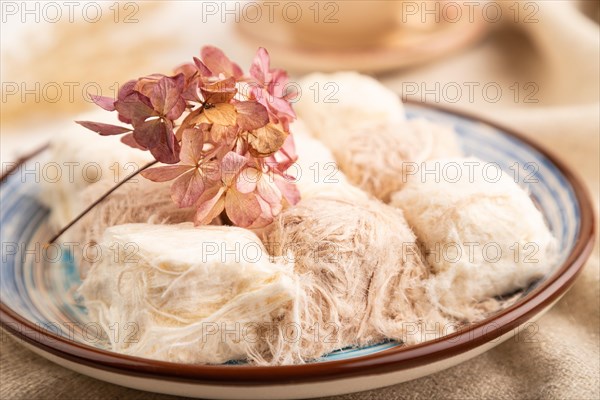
(559, 54)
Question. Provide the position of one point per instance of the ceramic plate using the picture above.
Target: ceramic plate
(39, 308)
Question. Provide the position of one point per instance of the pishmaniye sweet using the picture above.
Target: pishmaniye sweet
(233, 229)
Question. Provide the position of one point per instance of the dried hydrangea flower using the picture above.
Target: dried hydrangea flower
(230, 151)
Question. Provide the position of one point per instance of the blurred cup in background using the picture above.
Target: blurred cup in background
(340, 23)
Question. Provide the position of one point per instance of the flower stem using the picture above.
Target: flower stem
(20, 161)
(95, 203)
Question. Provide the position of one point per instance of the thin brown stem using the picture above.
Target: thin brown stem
(95, 203)
(20, 161)
(186, 122)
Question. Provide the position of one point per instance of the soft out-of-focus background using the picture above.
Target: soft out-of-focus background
(530, 65)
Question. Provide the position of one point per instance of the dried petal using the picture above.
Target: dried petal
(288, 189)
(136, 108)
(282, 89)
(210, 205)
(166, 173)
(218, 63)
(260, 65)
(148, 133)
(266, 215)
(281, 107)
(146, 84)
(188, 188)
(242, 209)
(192, 143)
(166, 94)
(211, 170)
(247, 179)
(251, 115)
(221, 133)
(221, 113)
(106, 103)
(192, 77)
(285, 157)
(219, 92)
(130, 141)
(266, 140)
(203, 69)
(277, 83)
(127, 89)
(270, 193)
(103, 129)
(188, 70)
(177, 109)
(164, 152)
(216, 167)
(231, 165)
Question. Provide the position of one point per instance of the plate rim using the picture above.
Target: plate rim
(394, 359)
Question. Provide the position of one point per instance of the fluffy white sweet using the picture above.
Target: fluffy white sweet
(444, 142)
(366, 130)
(482, 235)
(316, 172)
(331, 103)
(360, 272)
(84, 157)
(190, 294)
(142, 201)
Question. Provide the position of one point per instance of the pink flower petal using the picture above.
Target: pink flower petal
(126, 89)
(165, 152)
(171, 140)
(266, 217)
(130, 141)
(188, 188)
(203, 69)
(178, 108)
(247, 179)
(285, 157)
(211, 170)
(242, 209)
(269, 191)
(106, 103)
(281, 88)
(166, 173)
(231, 165)
(210, 205)
(166, 94)
(251, 115)
(281, 107)
(218, 63)
(145, 85)
(192, 142)
(135, 108)
(223, 134)
(219, 92)
(148, 133)
(192, 76)
(288, 189)
(103, 129)
(222, 114)
(260, 65)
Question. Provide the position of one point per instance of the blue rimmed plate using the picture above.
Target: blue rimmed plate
(38, 305)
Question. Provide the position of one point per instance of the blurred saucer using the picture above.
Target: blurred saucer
(401, 47)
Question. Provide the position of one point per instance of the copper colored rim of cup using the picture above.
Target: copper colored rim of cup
(395, 359)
